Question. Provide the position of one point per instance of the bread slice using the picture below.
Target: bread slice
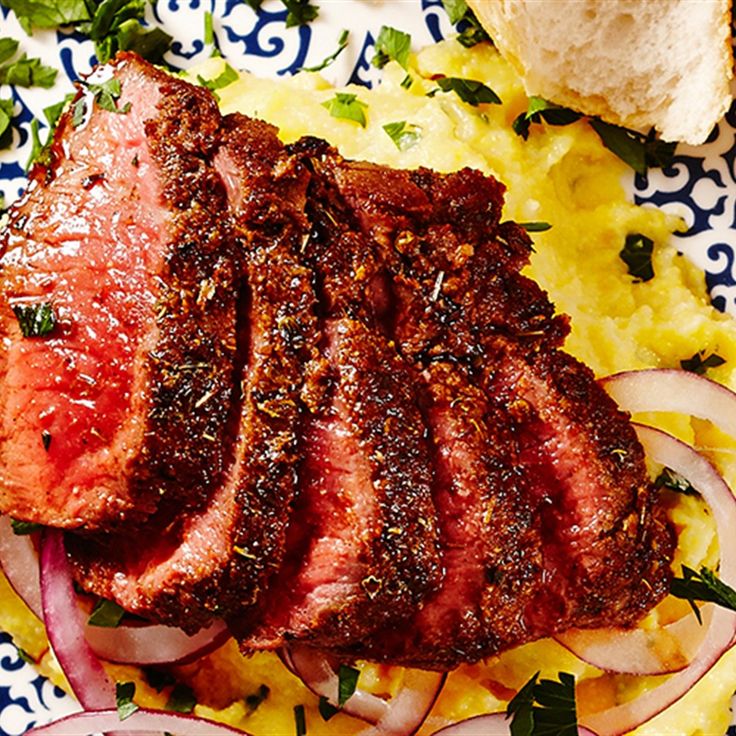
(636, 63)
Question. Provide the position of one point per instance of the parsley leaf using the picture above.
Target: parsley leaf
(668, 478)
(326, 709)
(469, 90)
(544, 707)
(539, 110)
(8, 48)
(535, 227)
(6, 115)
(703, 586)
(23, 654)
(347, 682)
(227, 76)
(699, 363)
(471, 31)
(124, 692)
(636, 149)
(22, 528)
(637, 255)
(301, 12)
(342, 43)
(253, 701)
(403, 134)
(106, 614)
(35, 320)
(182, 699)
(391, 45)
(347, 106)
(300, 720)
(105, 95)
(47, 13)
(27, 72)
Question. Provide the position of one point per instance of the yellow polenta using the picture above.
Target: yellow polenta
(560, 175)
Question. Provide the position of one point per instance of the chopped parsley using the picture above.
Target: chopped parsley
(124, 693)
(227, 76)
(535, 227)
(47, 13)
(105, 95)
(668, 478)
(300, 720)
(700, 362)
(347, 106)
(326, 709)
(342, 44)
(106, 614)
(391, 45)
(23, 654)
(6, 115)
(182, 699)
(538, 110)
(35, 320)
(704, 585)
(347, 682)
(23, 72)
(403, 134)
(637, 255)
(469, 90)
(635, 149)
(253, 701)
(23, 528)
(544, 707)
(300, 12)
(471, 31)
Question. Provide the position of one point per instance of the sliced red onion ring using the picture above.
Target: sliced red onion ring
(65, 627)
(19, 561)
(400, 716)
(667, 389)
(495, 724)
(142, 721)
(665, 449)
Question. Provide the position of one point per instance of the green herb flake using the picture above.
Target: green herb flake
(347, 682)
(403, 134)
(254, 700)
(700, 362)
(182, 699)
(23, 654)
(47, 13)
(538, 110)
(106, 614)
(107, 94)
(254, 4)
(79, 111)
(705, 586)
(471, 31)
(637, 255)
(300, 720)
(469, 90)
(668, 478)
(35, 320)
(8, 49)
(209, 29)
(6, 115)
(300, 12)
(326, 709)
(27, 72)
(637, 150)
(347, 106)
(124, 693)
(544, 707)
(391, 45)
(535, 227)
(226, 77)
(342, 44)
(23, 528)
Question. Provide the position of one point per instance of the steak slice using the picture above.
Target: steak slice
(124, 402)
(551, 456)
(185, 568)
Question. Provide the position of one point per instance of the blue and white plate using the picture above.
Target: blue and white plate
(700, 185)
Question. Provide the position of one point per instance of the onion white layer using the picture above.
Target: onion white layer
(19, 561)
(402, 715)
(142, 721)
(665, 449)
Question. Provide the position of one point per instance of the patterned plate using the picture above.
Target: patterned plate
(700, 185)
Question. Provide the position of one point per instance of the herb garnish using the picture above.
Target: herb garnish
(253, 701)
(47, 13)
(227, 76)
(342, 44)
(326, 709)
(536, 226)
(538, 110)
(347, 682)
(35, 320)
(637, 255)
(544, 707)
(403, 134)
(699, 362)
(704, 585)
(636, 149)
(301, 12)
(23, 72)
(6, 115)
(182, 699)
(105, 95)
(668, 478)
(22, 528)
(23, 654)
(124, 693)
(468, 90)
(347, 106)
(471, 31)
(300, 720)
(391, 45)
(106, 614)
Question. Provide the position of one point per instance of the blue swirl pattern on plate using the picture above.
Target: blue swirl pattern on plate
(700, 185)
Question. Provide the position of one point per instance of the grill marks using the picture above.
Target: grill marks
(347, 419)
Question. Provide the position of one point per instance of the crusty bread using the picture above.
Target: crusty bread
(636, 63)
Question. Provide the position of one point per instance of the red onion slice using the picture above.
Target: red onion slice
(400, 716)
(665, 449)
(495, 724)
(65, 627)
(142, 721)
(668, 389)
(19, 562)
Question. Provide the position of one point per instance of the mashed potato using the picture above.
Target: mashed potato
(562, 176)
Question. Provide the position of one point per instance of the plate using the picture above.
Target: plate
(700, 185)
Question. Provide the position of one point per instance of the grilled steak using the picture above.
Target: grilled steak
(334, 409)
(119, 237)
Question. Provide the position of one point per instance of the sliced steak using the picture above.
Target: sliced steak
(185, 568)
(552, 458)
(124, 401)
